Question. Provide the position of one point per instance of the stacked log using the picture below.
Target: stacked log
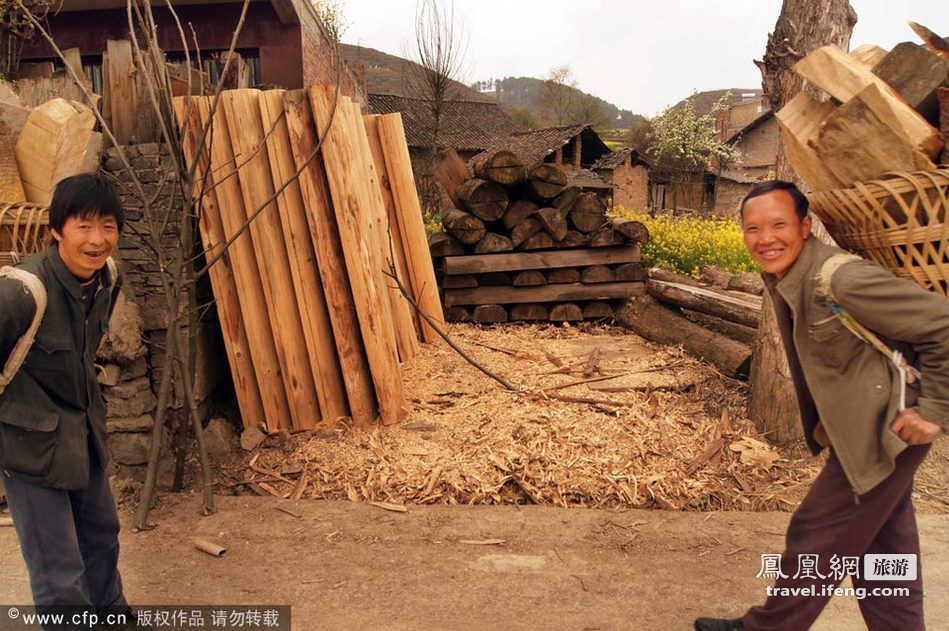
(306, 294)
(519, 244)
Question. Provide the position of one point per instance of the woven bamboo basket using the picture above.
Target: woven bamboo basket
(898, 220)
(24, 229)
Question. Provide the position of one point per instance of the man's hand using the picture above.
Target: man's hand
(913, 428)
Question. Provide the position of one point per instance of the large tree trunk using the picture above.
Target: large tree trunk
(803, 26)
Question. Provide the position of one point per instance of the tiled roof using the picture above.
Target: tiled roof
(585, 179)
(464, 125)
(617, 158)
(534, 146)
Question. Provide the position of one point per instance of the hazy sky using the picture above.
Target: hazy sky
(642, 55)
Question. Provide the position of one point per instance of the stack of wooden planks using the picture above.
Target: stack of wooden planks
(880, 116)
(519, 244)
(313, 325)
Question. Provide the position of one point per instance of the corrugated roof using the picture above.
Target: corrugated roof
(464, 125)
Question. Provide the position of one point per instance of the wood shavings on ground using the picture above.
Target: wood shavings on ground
(602, 418)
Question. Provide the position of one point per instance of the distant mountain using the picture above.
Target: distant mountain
(523, 93)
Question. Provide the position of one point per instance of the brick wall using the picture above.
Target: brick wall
(631, 186)
(728, 196)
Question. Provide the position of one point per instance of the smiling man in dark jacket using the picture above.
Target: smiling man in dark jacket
(52, 416)
(877, 424)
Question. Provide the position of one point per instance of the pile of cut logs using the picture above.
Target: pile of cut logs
(519, 244)
(883, 116)
(714, 317)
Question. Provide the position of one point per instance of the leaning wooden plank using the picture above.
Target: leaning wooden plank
(403, 320)
(835, 72)
(477, 264)
(798, 121)
(242, 116)
(250, 290)
(221, 273)
(329, 255)
(57, 141)
(314, 315)
(705, 301)
(548, 293)
(123, 95)
(858, 141)
(73, 61)
(365, 270)
(421, 269)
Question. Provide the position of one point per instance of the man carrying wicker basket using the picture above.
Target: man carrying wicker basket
(869, 359)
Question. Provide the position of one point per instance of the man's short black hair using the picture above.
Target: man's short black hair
(83, 196)
(800, 201)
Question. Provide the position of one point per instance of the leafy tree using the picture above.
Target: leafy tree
(588, 111)
(557, 96)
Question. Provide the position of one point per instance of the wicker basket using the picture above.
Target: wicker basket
(24, 229)
(898, 221)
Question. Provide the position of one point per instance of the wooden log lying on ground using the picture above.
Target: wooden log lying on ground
(631, 230)
(489, 313)
(737, 332)
(473, 264)
(503, 167)
(486, 200)
(465, 227)
(749, 282)
(441, 244)
(669, 276)
(457, 314)
(546, 181)
(563, 276)
(553, 222)
(517, 211)
(597, 311)
(492, 242)
(648, 318)
(530, 312)
(565, 312)
(705, 301)
(588, 213)
(715, 276)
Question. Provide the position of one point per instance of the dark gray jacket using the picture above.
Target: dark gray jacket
(53, 407)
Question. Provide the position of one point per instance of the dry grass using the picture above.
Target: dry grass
(664, 431)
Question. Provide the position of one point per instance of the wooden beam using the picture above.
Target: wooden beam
(705, 301)
(540, 260)
(121, 89)
(547, 293)
(321, 221)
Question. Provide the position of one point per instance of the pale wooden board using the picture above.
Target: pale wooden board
(122, 91)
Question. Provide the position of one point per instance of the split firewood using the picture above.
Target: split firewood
(538, 241)
(588, 213)
(597, 311)
(463, 226)
(529, 278)
(493, 242)
(868, 54)
(553, 222)
(517, 211)
(935, 43)
(525, 230)
(503, 167)
(441, 244)
(451, 172)
(798, 121)
(597, 274)
(489, 313)
(530, 312)
(565, 312)
(486, 200)
(631, 271)
(916, 73)
(546, 181)
(563, 275)
(631, 230)
(565, 201)
(574, 239)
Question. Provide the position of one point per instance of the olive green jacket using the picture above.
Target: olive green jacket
(53, 408)
(847, 385)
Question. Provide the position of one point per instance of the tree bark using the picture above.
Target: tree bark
(803, 26)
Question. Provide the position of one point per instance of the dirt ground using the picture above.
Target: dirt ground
(598, 553)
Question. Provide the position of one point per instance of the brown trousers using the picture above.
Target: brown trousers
(831, 522)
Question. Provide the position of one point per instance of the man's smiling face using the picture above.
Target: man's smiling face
(774, 234)
(85, 243)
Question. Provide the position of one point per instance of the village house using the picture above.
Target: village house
(629, 173)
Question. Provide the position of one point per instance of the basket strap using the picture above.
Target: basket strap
(33, 285)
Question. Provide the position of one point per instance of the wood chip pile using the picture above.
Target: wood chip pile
(314, 330)
(643, 426)
(519, 244)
